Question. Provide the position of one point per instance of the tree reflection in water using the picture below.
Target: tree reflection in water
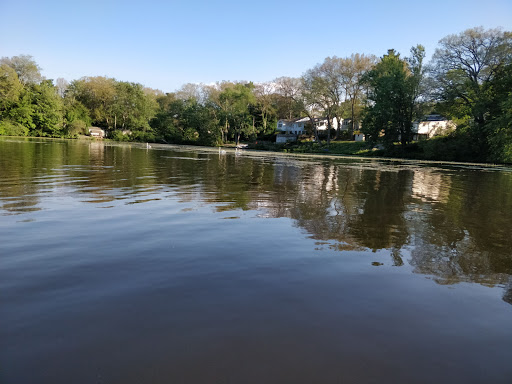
(454, 222)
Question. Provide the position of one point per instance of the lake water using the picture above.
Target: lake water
(122, 264)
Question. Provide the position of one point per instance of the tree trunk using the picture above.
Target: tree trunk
(338, 129)
(315, 131)
(224, 138)
(353, 120)
(329, 127)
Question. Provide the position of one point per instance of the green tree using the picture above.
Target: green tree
(185, 120)
(191, 91)
(27, 69)
(97, 94)
(165, 124)
(501, 139)
(266, 105)
(199, 120)
(234, 101)
(393, 90)
(10, 87)
(323, 91)
(16, 106)
(21, 112)
(47, 110)
(352, 70)
(416, 84)
(38, 111)
(464, 68)
(499, 127)
(76, 117)
(132, 108)
(288, 101)
(238, 100)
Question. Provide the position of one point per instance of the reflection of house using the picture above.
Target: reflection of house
(430, 186)
(96, 151)
(432, 125)
(96, 132)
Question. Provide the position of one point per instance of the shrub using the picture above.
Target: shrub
(263, 145)
(145, 137)
(119, 136)
(77, 127)
(9, 128)
(455, 147)
(501, 146)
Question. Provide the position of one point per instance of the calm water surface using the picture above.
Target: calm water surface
(121, 264)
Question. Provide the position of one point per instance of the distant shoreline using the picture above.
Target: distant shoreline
(263, 153)
(341, 156)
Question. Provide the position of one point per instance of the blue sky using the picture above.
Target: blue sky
(165, 44)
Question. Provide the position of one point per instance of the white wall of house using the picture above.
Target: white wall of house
(96, 132)
(287, 128)
(345, 124)
(294, 127)
(322, 122)
(433, 125)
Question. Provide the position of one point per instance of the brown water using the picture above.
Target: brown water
(121, 264)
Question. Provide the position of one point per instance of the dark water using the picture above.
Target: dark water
(121, 264)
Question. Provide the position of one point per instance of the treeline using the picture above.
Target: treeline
(469, 80)
(33, 106)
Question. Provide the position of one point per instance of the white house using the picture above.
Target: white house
(432, 125)
(322, 122)
(290, 130)
(292, 127)
(96, 132)
(345, 125)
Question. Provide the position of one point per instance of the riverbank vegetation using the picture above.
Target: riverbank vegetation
(468, 80)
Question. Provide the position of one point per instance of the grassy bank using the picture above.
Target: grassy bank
(336, 147)
(445, 148)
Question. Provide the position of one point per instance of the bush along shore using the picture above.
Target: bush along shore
(455, 148)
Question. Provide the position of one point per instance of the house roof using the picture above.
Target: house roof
(296, 120)
(303, 120)
(434, 118)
